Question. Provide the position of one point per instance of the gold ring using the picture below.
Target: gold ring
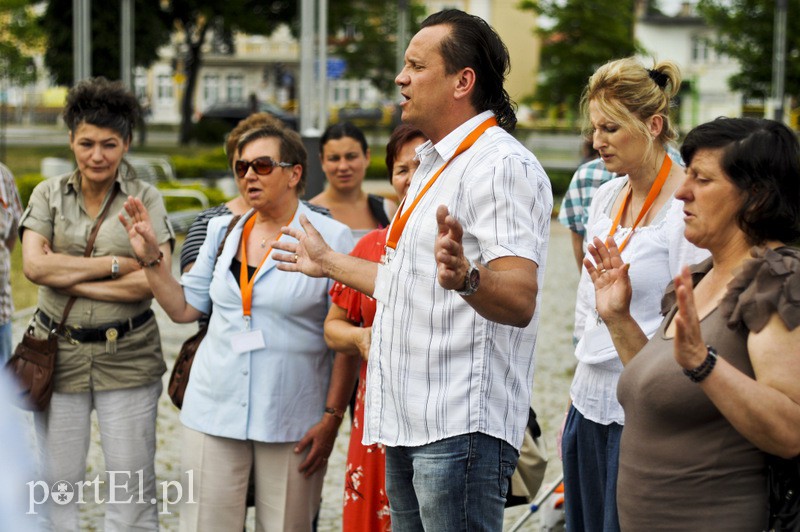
(296, 257)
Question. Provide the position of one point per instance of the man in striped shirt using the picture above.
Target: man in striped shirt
(451, 359)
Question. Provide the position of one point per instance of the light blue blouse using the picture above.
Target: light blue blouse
(276, 393)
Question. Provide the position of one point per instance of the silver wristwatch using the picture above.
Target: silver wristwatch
(472, 280)
(114, 267)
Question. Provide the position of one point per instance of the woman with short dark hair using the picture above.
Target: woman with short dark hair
(715, 391)
(109, 359)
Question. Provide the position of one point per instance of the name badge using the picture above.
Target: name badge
(245, 341)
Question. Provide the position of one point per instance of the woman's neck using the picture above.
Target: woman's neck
(642, 179)
(351, 196)
(280, 215)
(238, 205)
(93, 191)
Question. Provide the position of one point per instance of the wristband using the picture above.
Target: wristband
(702, 371)
(152, 263)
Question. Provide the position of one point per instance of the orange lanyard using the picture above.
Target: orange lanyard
(655, 189)
(245, 284)
(399, 221)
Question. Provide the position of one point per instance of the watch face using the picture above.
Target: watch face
(474, 278)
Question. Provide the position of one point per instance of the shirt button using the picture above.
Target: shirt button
(245, 372)
(244, 403)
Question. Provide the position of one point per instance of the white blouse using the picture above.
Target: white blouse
(656, 253)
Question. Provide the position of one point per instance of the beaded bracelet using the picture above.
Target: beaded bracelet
(152, 263)
(702, 371)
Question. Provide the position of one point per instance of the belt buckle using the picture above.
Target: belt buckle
(112, 334)
(68, 335)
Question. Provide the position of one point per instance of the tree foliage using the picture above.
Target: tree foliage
(151, 30)
(196, 19)
(20, 37)
(585, 35)
(364, 34)
(745, 29)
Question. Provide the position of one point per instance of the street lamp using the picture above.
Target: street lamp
(779, 59)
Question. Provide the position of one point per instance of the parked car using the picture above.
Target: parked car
(216, 121)
(374, 116)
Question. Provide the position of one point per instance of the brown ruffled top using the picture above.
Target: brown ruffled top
(766, 284)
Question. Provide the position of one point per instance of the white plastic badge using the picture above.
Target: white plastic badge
(245, 341)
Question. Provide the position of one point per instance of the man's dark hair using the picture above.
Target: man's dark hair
(473, 43)
(762, 159)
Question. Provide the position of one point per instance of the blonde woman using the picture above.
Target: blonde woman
(627, 106)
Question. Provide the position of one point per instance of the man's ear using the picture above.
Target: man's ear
(465, 83)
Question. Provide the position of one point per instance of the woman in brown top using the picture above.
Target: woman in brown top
(718, 387)
(109, 359)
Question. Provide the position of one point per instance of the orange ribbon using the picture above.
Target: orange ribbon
(245, 284)
(655, 189)
(399, 221)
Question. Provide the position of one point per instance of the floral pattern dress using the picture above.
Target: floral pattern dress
(366, 506)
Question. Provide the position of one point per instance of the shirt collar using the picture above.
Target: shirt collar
(448, 145)
(124, 177)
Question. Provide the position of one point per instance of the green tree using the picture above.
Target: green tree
(585, 35)
(196, 19)
(745, 33)
(20, 38)
(364, 34)
(151, 30)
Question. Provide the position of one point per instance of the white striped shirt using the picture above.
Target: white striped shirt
(437, 369)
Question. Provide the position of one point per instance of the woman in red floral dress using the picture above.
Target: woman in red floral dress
(348, 329)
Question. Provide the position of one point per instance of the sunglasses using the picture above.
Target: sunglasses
(261, 166)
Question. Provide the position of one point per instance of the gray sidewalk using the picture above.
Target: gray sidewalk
(554, 363)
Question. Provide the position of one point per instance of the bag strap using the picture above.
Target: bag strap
(88, 251)
(231, 225)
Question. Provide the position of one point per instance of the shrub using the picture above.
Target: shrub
(191, 167)
(25, 184)
(215, 196)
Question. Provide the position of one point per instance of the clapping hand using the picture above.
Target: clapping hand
(306, 255)
(609, 274)
(140, 230)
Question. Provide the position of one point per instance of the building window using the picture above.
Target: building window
(164, 87)
(701, 49)
(235, 88)
(210, 89)
(140, 83)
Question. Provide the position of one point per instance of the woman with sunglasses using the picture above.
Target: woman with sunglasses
(265, 390)
(199, 229)
(344, 155)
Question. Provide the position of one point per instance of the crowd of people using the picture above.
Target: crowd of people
(422, 314)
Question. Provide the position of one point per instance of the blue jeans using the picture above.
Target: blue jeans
(458, 484)
(6, 344)
(590, 454)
